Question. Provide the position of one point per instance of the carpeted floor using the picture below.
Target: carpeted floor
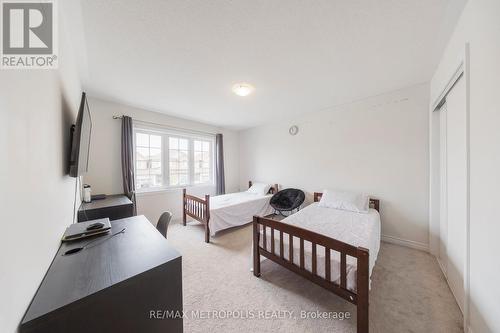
(408, 294)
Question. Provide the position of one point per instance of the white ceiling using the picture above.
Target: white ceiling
(182, 57)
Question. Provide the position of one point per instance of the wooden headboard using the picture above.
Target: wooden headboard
(274, 188)
(374, 203)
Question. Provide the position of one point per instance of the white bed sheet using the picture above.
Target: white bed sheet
(357, 229)
(236, 209)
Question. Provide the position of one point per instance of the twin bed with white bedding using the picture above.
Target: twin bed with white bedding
(236, 209)
(229, 210)
(334, 243)
(357, 229)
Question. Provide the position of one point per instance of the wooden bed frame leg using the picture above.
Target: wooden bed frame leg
(207, 218)
(256, 254)
(363, 281)
(207, 234)
(184, 207)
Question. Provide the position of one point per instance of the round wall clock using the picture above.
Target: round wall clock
(293, 130)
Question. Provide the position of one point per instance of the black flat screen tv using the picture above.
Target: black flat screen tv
(80, 140)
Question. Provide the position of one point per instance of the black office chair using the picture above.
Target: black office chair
(287, 200)
(163, 223)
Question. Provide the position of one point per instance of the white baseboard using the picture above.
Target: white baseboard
(440, 263)
(405, 242)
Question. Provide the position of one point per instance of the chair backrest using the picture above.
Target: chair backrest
(287, 199)
(163, 223)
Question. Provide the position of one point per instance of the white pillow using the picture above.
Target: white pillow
(259, 188)
(353, 202)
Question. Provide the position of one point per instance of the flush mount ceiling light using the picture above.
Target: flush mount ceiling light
(243, 89)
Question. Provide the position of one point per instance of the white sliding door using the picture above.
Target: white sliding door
(443, 198)
(456, 188)
(453, 188)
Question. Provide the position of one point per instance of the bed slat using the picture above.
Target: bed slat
(264, 237)
(281, 244)
(314, 263)
(290, 248)
(343, 270)
(302, 253)
(327, 265)
(272, 240)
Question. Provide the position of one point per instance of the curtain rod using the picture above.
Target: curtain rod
(168, 126)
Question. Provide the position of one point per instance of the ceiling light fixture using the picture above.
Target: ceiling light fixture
(243, 89)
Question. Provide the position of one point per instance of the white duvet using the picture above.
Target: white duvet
(236, 209)
(357, 229)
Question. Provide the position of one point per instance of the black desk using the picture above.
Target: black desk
(112, 286)
(116, 206)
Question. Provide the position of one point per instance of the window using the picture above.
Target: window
(165, 159)
(201, 162)
(178, 159)
(148, 160)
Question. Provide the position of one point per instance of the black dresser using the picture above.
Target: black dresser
(113, 285)
(116, 206)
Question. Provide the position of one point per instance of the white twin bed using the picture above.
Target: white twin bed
(236, 209)
(333, 242)
(356, 229)
(229, 210)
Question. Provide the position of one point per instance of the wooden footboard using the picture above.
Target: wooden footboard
(198, 209)
(279, 229)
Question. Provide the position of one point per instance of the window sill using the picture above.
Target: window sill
(157, 191)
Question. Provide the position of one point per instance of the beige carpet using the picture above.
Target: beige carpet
(409, 293)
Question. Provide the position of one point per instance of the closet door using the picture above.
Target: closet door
(443, 199)
(456, 188)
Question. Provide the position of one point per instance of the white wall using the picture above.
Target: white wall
(105, 172)
(37, 108)
(480, 26)
(378, 145)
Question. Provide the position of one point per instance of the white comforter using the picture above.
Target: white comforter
(357, 229)
(235, 209)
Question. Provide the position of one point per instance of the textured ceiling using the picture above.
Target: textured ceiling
(182, 57)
